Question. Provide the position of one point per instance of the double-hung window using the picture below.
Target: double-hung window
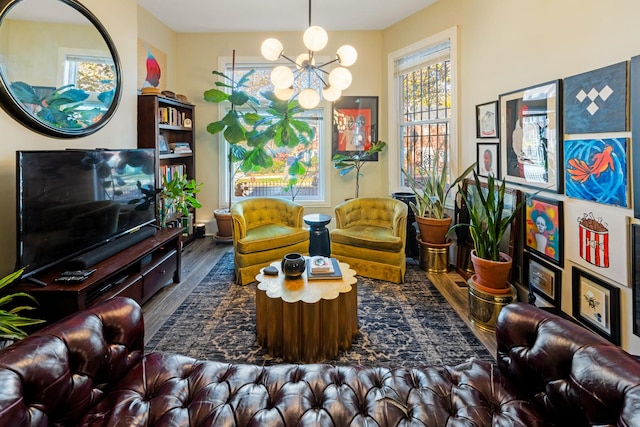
(273, 182)
(422, 89)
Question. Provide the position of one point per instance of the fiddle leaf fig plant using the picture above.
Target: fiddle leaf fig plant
(250, 132)
(12, 321)
(346, 163)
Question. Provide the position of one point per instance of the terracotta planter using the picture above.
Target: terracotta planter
(223, 220)
(492, 274)
(434, 230)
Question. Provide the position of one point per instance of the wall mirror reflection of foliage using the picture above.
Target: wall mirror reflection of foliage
(59, 69)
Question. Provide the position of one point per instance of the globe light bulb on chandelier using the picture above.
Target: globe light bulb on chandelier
(306, 71)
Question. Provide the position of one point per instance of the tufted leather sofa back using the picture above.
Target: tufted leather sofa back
(55, 375)
(590, 382)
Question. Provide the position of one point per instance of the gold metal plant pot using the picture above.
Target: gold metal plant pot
(484, 307)
(434, 258)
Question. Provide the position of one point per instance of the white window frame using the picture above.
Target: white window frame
(324, 145)
(395, 113)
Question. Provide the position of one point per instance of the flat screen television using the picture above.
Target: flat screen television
(71, 201)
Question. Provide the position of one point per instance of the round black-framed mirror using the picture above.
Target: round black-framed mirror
(60, 74)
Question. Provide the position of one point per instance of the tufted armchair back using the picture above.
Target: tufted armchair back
(55, 375)
(372, 211)
(591, 381)
(256, 212)
(370, 236)
(264, 230)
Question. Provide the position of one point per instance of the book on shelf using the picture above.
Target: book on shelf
(334, 274)
(180, 147)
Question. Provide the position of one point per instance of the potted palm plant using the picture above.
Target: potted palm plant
(348, 162)
(12, 321)
(488, 221)
(431, 190)
(249, 133)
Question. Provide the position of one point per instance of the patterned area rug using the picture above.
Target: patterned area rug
(400, 325)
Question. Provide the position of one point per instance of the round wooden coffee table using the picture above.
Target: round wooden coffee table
(305, 320)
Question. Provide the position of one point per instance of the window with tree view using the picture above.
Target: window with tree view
(295, 172)
(424, 81)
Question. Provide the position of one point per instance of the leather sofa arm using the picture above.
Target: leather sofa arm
(572, 374)
(55, 375)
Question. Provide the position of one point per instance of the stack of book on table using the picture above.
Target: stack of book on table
(321, 267)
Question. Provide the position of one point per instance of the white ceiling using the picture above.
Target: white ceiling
(193, 16)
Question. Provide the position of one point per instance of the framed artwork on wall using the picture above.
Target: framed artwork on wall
(596, 304)
(530, 129)
(542, 278)
(635, 276)
(634, 79)
(596, 170)
(487, 120)
(355, 125)
(488, 159)
(596, 239)
(543, 226)
(596, 101)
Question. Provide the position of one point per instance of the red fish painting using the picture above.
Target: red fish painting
(153, 71)
(579, 170)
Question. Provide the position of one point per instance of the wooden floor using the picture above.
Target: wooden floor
(202, 254)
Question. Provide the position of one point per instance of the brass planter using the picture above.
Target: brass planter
(434, 257)
(484, 307)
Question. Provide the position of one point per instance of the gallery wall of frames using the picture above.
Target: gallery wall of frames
(566, 146)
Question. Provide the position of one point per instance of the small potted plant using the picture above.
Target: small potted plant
(348, 162)
(178, 196)
(11, 320)
(431, 190)
(488, 221)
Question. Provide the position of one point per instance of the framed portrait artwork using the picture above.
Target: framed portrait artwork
(543, 279)
(635, 276)
(488, 162)
(487, 120)
(596, 304)
(355, 125)
(530, 129)
(543, 227)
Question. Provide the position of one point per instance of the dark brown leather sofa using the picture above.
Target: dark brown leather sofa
(90, 370)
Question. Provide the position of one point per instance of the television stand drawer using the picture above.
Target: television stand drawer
(159, 275)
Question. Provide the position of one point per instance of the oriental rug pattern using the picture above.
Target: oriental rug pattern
(408, 324)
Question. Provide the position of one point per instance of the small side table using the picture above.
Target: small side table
(319, 243)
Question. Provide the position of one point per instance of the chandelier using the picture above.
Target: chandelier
(333, 83)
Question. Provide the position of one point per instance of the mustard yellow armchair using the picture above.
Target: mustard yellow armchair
(370, 236)
(265, 230)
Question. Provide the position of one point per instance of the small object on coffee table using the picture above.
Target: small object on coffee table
(271, 271)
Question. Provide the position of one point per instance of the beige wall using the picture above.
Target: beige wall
(119, 132)
(509, 45)
(198, 56)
